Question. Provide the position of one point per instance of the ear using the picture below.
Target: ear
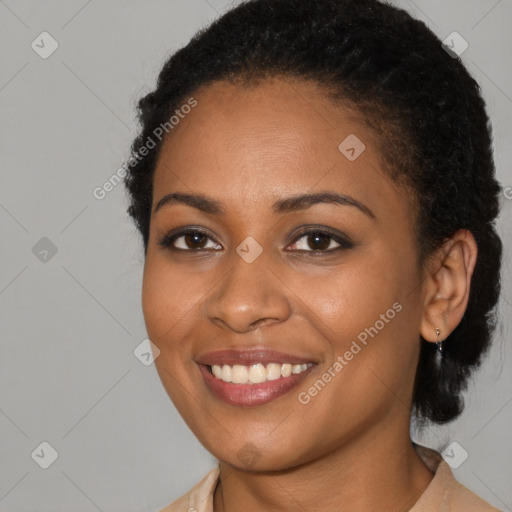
(447, 284)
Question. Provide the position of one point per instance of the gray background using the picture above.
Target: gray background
(70, 324)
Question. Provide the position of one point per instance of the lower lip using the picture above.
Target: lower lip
(247, 395)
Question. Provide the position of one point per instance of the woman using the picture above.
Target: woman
(314, 186)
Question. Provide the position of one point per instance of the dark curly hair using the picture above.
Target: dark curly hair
(420, 101)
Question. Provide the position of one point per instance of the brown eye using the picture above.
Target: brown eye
(318, 241)
(321, 241)
(188, 240)
(194, 241)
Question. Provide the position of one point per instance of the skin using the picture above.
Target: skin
(349, 448)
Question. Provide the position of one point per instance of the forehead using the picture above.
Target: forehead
(276, 137)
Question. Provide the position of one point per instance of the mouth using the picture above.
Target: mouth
(256, 373)
(251, 378)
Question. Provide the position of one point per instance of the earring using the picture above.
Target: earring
(439, 343)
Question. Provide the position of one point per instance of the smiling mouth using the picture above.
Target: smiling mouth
(256, 373)
(252, 377)
(255, 384)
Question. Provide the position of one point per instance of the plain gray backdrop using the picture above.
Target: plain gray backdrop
(71, 266)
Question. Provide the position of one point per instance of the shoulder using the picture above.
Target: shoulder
(445, 492)
(199, 498)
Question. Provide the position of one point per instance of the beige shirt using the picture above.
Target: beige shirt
(444, 493)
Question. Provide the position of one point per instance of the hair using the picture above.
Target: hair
(424, 108)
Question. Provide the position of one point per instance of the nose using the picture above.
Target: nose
(250, 296)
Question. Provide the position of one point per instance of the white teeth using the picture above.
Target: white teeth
(286, 370)
(226, 373)
(273, 371)
(217, 371)
(256, 373)
(240, 374)
(296, 368)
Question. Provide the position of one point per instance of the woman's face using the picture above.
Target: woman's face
(327, 289)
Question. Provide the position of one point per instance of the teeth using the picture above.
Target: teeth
(286, 370)
(240, 374)
(256, 373)
(296, 368)
(226, 373)
(273, 371)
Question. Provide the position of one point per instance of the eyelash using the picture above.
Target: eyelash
(344, 243)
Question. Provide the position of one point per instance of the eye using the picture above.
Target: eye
(188, 240)
(316, 241)
(321, 241)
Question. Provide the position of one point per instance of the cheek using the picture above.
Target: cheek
(156, 301)
(167, 304)
(351, 297)
(168, 298)
(366, 314)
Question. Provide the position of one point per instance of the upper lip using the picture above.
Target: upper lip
(249, 357)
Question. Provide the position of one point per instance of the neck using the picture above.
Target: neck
(380, 471)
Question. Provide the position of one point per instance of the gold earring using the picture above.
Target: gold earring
(439, 343)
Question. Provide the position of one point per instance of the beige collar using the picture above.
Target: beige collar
(444, 493)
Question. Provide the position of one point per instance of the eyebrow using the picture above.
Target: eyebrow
(290, 204)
